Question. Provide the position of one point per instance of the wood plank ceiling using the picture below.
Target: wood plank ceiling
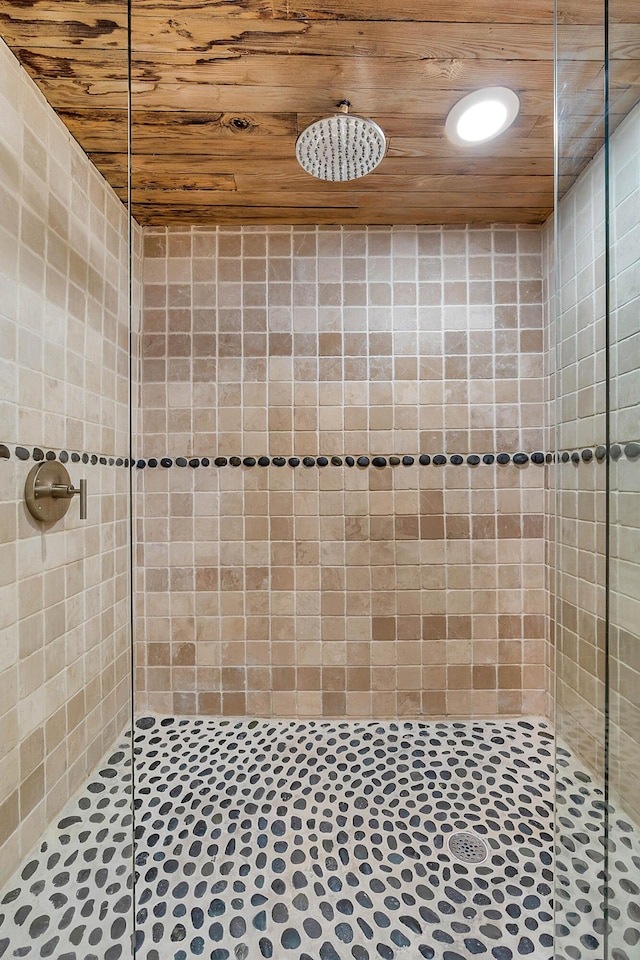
(221, 89)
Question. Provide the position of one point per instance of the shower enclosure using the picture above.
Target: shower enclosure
(343, 662)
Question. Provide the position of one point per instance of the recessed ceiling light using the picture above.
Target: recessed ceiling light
(482, 115)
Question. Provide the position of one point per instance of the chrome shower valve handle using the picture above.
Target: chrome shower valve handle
(48, 492)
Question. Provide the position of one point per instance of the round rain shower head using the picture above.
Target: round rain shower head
(341, 147)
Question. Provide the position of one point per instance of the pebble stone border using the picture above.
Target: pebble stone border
(631, 451)
(328, 840)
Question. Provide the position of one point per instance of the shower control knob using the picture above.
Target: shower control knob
(48, 492)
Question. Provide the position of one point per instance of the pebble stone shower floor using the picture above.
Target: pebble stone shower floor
(321, 840)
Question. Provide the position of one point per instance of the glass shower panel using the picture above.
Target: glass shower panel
(65, 586)
(623, 899)
(580, 597)
(598, 520)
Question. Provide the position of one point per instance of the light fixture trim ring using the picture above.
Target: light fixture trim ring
(502, 95)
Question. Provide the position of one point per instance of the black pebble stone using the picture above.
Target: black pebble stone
(456, 459)
(51, 456)
(565, 457)
(336, 461)
(312, 928)
(22, 453)
(111, 461)
(181, 461)
(408, 461)
(249, 462)
(424, 459)
(322, 461)
(349, 461)
(575, 457)
(141, 464)
(503, 458)
(263, 461)
(632, 450)
(64, 456)
(38, 454)
(520, 458)
(279, 461)
(587, 455)
(119, 462)
(290, 939)
(363, 461)
(308, 461)
(394, 461)
(488, 458)
(75, 457)
(473, 460)
(601, 452)
(205, 462)
(94, 459)
(235, 461)
(294, 461)
(220, 461)
(537, 457)
(616, 451)
(439, 459)
(379, 462)
(166, 462)
(153, 462)
(5, 453)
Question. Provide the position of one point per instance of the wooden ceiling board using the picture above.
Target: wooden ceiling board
(221, 89)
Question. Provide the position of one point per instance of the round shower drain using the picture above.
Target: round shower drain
(468, 848)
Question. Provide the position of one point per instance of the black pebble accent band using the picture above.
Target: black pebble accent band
(631, 451)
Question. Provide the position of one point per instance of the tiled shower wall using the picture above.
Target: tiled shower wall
(64, 369)
(581, 386)
(341, 591)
